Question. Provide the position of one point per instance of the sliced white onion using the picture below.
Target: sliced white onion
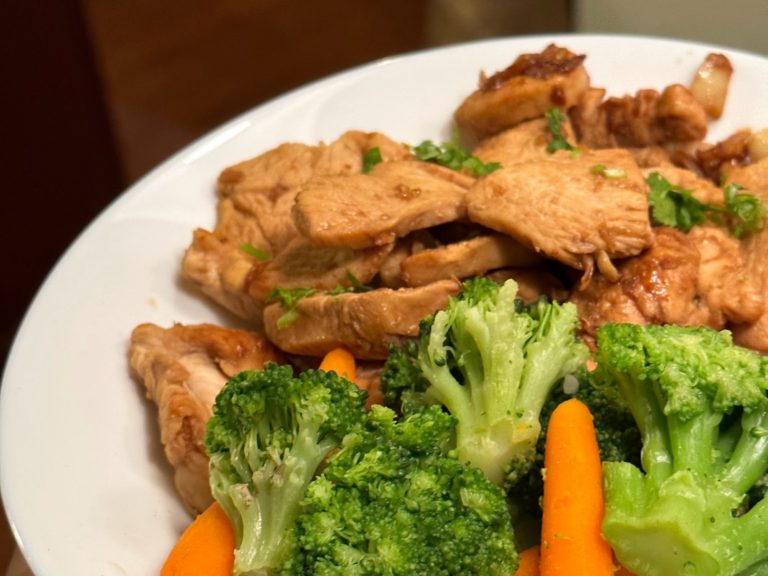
(710, 85)
(758, 145)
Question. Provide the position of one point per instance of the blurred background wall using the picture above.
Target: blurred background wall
(735, 23)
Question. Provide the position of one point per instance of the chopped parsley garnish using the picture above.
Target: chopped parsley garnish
(371, 157)
(675, 206)
(253, 251)
(610, 173)
(745, 212)
(289, 299)
(355, 286)
(453, 156)
(555, 118)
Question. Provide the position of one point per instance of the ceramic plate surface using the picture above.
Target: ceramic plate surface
(83, 477)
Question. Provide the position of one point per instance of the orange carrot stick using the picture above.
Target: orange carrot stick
(571, 542)
(340, 361)
(529, 562)
(206, 547)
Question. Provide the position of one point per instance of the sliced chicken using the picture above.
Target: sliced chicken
(718, 159)
(391, 272)
(567, 209)
(183, 368)
(255, 206)
(220, 268)
(395, 198)
(306, 265)
(755, 249)
(532, 283)
(289, 165)
(473, 257)
(731, 293)
(590, 120)
(364, 323)
(645, 119)
(689, 279)
(524, 142)
(533, 84)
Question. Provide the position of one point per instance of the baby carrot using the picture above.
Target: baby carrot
(340, 361)
(529, 562)
(206, 547)
(571, 542)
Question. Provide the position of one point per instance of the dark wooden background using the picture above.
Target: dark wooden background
(98, 92)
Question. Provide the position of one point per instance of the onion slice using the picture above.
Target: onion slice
(710, 85)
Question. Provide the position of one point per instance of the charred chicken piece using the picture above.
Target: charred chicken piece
(533, 84)
(648, 118)
(690, 279)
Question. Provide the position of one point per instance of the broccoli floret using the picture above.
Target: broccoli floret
(393, 502)
(268, 434)
(402, 384)
(701, 406)
(492, 363)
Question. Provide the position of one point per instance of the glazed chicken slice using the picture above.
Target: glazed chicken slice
(648, 118)
(303, 264)
(525, 90)
(364, 323)
(690, 279)
(566, 209)
(183, 368)
(255, 204)
(526, 141)
(472, 257)
(754, 178)
(394, 199)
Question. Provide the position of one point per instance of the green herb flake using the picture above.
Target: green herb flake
(355, 286)
(453, 156)
(289, 299)
(371, 157)
(745, 212)
(555, 118)
(673, 205)
(253, 251)
(610, 173)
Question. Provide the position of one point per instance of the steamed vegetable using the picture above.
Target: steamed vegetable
(571, 542)
(269, 433)
(700, 403)
(618, 437)
(492, 363)
(205, 547)
(340, 361)
(393, 502)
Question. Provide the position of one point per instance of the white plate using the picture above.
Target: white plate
(84, 481)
